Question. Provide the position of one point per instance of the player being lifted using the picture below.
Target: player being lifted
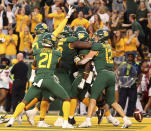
(101, 54)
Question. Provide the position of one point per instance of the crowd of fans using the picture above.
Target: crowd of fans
(128, 21)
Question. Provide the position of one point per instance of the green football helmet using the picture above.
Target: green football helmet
(82, 36)
(103, 34)
(47, 40)
(79, 28)
(41, 28)
(67, 31)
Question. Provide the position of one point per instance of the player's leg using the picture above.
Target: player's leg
(97, 88)
(75, 93)
(44, 106)
(32, 93)
(59, 92)
(66, 82)
(30, 114)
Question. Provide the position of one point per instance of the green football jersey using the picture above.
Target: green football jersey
(103, 60)
(68, 53)
(37, 43)
(46, 61)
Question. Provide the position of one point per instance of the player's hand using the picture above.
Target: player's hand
(71, 10)
(76, 59)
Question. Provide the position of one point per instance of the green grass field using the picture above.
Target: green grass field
(104, 126)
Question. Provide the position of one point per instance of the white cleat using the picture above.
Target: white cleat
(66, 124)
(30, 116)
(43, 124)
(19, 118)
(2, 110)
(85, 124)
(113, 120)
(59, 121)
(127, 124)
(10, 122)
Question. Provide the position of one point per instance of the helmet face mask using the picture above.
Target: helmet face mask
(101, 35)
(41, 28)
(82, 36)
(47, 40)
(66, 32)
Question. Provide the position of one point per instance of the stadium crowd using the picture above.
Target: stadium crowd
(127, 21)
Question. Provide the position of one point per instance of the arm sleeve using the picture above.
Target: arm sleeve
(55, 15)
(82, 45)
(51, 15)
(96, 47)
(60, 27)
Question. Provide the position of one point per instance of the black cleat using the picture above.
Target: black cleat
(100, 114)
(71, 121)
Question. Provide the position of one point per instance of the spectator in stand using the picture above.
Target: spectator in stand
(137, 28)
(131, 8)
(33, 4)
(149, 32)
(85, 9)
(3, 19)
(130, 43)
(11, 44)
(80, 21)
(4, 82)
(117, 5)
(95, 6)
(20, 78)
(141, 16)
(115, 20)
(58, 17)
(103, 15)
(26, 41)
(97, 23)
(3, 40)
(118, 42)
(22, 20)
(36, 19)
(10, 16)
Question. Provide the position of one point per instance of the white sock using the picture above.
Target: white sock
(125, 118)
(88, 119)
(70, 117)
(35, 111)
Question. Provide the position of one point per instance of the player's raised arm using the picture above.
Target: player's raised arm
(63, 23)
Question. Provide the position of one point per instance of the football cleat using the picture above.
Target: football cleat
(100, 114)
(59, 121)
(71, 121)
(3, 119)
(10, 122)
(43, 124)
(66, 124)
(127, 124)
(30, 116)
(19, 118)
(113, 120)
(85, 124)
